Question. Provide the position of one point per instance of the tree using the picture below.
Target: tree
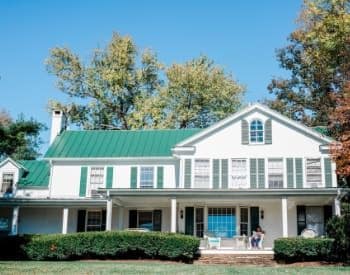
(197, 94)
(104, 92)
(317, 58)
(19, 139)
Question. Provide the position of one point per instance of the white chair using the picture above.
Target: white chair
(260, 243)
(214, 242)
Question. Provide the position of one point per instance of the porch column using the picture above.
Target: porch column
(65, 220)
(205, 220)
(337, 207)
(14, 223)
(109, 214)
(284, 217)
(173, 215)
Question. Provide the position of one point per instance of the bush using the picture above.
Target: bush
(338, 228)
(120, 244)
(11, 247)
(301, 249)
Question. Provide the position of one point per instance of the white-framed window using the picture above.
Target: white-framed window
(313, 172)
(244, 221)
(256, 131)
(96, 178)
(275, 173)
(146, 177)
(94, 220)
(7, 182)
(201, 173)
(239, 173)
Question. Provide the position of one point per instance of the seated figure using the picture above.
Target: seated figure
(257, 237)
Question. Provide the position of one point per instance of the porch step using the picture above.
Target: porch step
(233, 259)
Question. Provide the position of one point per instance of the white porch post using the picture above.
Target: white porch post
(173, 215)
(337, 208)
(14, 224)
(109, 214)
(65, 220)
(205, 219)
(284, 217)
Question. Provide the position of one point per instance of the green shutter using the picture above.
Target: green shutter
(299, 172)
(224, 173)
(160, 176)
(83, 180)
(328, 172)
(109, 177)
(244, 131)
(268, 132)
(261, 173)
(253, 173)
(188, 173)
(290, 173)
(133, 177)
(216, 173)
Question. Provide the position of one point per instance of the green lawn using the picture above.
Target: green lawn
(150, 267)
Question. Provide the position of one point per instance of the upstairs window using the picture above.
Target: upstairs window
(147, 177)
(239, 173)
(275, 170)
(256, 131)
(313, 172)
(7, 182)
(201, 173)
(96, 179)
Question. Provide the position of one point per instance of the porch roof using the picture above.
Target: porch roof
(219, 193)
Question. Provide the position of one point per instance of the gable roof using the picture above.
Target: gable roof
(36, 175)
(117, 143)
(15, 163)
(264, 109)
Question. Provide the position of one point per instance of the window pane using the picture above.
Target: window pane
(7, 182)
(313, 172)
(275, 170)
(147, 177)
(238, 173)
(244, 221)
(222, 222)
(201, 173)
(145, 220)
(256, 131)
(96, 175)
(94, 221)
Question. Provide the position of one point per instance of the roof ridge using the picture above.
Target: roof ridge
(133, 130)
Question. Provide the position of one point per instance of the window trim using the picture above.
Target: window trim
(283, 172)
(86, 218)
(263, 131)
(13, 181)
(210, 184)
(139, 168)
(321, 183)
(89, 189)
(246, 174)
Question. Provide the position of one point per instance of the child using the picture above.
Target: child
(257, 235)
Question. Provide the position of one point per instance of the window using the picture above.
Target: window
(256, 131)
(146, 177)
(222, 222)
(310, 217)
(96, 179)
(145, 220)
(201, 173)
(239, 173)
(244, 221)
(199, 222)
(94, 221)
(313, 172)
(7, 182)
(275, 170)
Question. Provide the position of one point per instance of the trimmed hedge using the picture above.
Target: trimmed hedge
(302, 249)
(11, 247)
(119, 244)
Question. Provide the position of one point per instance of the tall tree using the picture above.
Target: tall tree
(103, 93)
(196, 94)
(317, 58)
(19, 139)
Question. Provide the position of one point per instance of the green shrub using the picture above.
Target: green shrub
(11, 247)
(338, 228)
(302, 249)
(120, 244)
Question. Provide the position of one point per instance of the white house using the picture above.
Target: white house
(255, 167)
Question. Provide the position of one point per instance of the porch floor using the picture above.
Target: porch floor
(231, 251)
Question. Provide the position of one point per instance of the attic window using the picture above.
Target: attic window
(256, 131)
(7, 182)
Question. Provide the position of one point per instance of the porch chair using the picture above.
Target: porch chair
(260, 243)
(212, 241)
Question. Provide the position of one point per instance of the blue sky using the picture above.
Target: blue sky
(240, 35)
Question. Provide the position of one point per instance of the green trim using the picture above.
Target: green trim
(133, 177)
(216, 173)
(109, 177)
(328, 172)
(83, 181)
(160, 177)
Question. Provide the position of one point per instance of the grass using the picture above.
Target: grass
(150, 267)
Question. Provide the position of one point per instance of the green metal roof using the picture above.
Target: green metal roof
(115, 144)
(323, 130)
(37, 174)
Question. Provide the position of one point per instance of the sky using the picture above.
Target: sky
(240, 35)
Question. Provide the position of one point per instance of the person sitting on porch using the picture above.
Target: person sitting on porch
(257, 237)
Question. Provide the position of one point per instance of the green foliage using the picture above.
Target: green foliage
(120, 244)
(318, 59)
(119, 90)
(338, 228)
(302, 249)
(20, 139)
(12, 247)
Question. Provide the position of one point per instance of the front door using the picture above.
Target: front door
(189, 220)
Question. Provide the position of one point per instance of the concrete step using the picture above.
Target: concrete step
(232, 259)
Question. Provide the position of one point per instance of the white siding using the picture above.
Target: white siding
(65, 181)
